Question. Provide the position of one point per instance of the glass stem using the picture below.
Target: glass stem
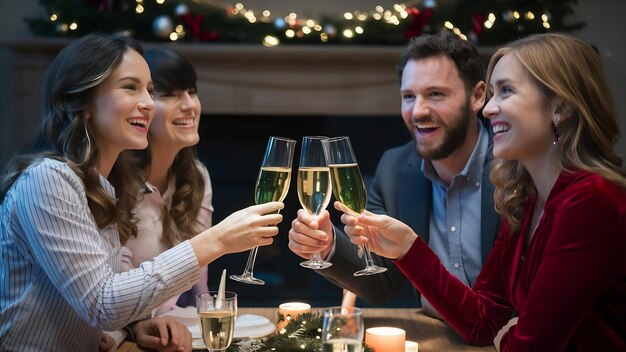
(316, 257)
(250, 263)
(368, 256)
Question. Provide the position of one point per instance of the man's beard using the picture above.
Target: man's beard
(453, 137)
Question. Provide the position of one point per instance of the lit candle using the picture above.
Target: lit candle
(289, 311)
(410, 346)
(385, 339)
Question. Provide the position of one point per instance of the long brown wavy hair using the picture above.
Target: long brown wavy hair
(171, 72)
(64, 134)
(568, 68)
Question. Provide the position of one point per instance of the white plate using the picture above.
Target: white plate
(246, 326)
(253, 327)
(198, 344)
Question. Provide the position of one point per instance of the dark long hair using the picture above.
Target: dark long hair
(171, 72)
(68, 88)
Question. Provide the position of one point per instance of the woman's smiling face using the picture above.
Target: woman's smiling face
(176, 120)
(520, 113)
(122, 108)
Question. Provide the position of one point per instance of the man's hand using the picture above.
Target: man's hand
(308, 235)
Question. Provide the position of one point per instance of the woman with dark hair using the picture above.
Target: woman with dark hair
(66, 212)
(174, 203)
(556, 277)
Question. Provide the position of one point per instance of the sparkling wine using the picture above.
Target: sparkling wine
(342, 345)
(348, 186)
(272, 184)
(217, 328)
(314, 188)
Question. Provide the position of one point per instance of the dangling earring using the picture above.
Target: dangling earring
(555, 130)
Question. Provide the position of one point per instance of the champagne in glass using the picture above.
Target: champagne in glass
(348, 187)
(313, 187)
(217, 319)
(342, 329)
(272, 184)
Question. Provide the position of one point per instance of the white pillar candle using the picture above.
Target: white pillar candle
(290, 311)
(410, 346)
(385, 339)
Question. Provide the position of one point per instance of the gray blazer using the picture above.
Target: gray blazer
(400, 190)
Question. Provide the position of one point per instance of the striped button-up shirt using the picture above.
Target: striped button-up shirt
(59, 280)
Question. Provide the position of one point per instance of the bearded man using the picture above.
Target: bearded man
(438, 183)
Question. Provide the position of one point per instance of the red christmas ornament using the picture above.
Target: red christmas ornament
(194, 23)
(105, 5)
(477, 23)
(419, 21)
(415, 28)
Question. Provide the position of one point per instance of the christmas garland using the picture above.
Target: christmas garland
(302, 334)
(484, 22)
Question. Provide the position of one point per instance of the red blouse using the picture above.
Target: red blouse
(570, 288)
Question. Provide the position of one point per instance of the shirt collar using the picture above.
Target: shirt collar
(169, 191)
(107, 186)
(149, 188)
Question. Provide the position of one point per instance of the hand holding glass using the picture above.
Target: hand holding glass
(272, 184)
(342, 329)
(217, 319)
(313, 187)
(348, 187)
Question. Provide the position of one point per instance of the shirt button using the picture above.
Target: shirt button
(477, 184)
(457, 265)
(453, 228)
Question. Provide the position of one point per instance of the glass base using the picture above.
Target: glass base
(316, 264)
(248, 279)
(370, 270)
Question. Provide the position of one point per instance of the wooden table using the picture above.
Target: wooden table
(431, 334)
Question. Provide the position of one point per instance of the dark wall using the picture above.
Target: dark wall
(232, 148)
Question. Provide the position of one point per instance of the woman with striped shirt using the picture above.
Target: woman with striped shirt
(66, 210)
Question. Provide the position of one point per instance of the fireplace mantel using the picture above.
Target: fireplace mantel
(252, 79)
(247, 79)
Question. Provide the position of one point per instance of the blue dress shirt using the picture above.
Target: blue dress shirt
(456, 216)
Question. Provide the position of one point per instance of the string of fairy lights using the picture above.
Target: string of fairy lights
(292, 26)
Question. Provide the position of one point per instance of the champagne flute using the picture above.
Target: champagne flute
(272, 184)
(342, 329)
(348, 187)
(313, 187)
(217, 319)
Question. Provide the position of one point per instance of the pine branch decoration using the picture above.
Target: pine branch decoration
(303, 334)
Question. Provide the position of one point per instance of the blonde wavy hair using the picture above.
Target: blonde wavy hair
(567, 68)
